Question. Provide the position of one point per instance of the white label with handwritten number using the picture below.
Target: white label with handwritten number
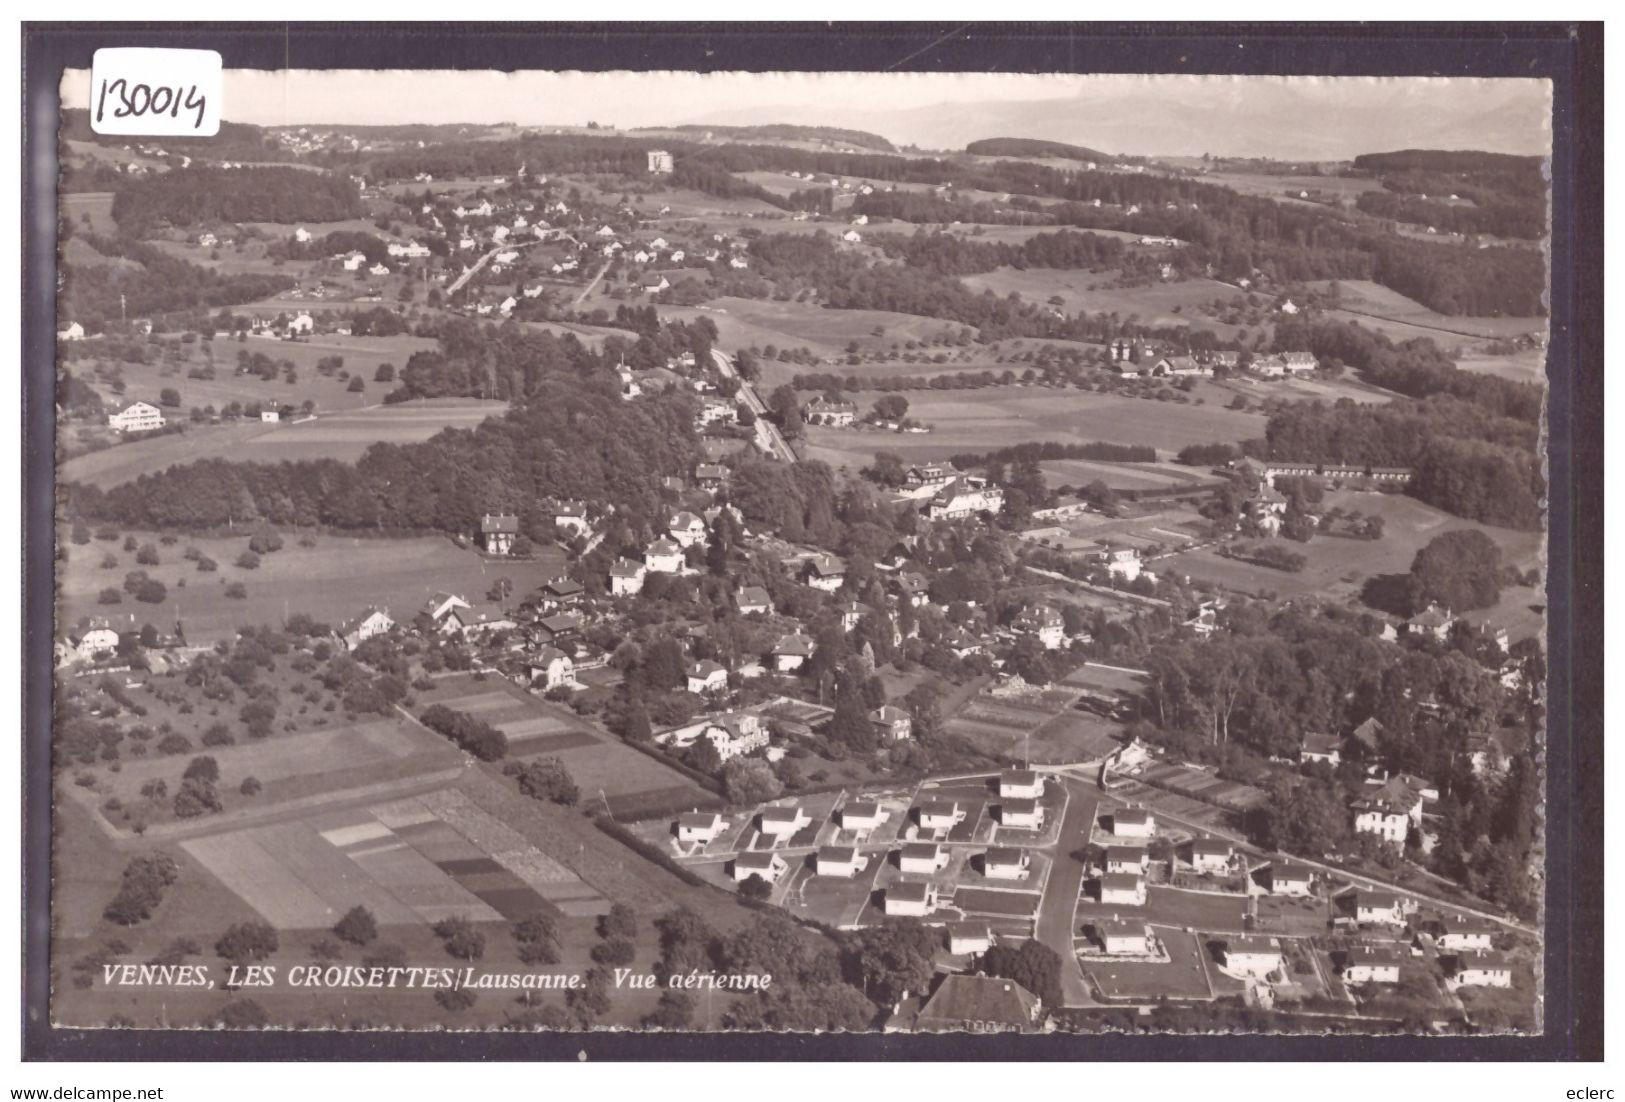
(154, 92)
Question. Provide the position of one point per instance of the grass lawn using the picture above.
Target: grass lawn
(331, 581)
(1181, 977)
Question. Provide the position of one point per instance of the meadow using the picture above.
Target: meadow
(1402, 318)
(1157, 304)
(336, 578)
(344, 436)
(999, 417)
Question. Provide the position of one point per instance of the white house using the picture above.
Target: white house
(1044, 623)
(1020, 784)
(1379, 908)
(964, 497)
(551, 668)
(825, 572)
(1022, 814)
(915, 899)
(370, 623)
(783, 822)
(1389, 813)
(1463, 932)
(894, 724)
(1252, 957)
(1129, 860)
(447, 612)
(753, 599)
(922, 858)
(301, 235)
(686, 528)
(839, 861)
(1133, 822)
(1005, 863)
(1124, 938)
(822, 412)
(940, 815)
(1122, 889)
(73, 332)
(626, 578)
(769, 866)
(791, 653)
(699, 826)
(1483, 969)
(735, 733)
(1289, 879)
(861, 816)
(1122, 562)
(1371, 964)
(707, 677)
(663, 557)
(1323, 748)
(352, 261)
(498, 532)
(1210, 855)
(136, 417)
(969, 938)
(97, 640)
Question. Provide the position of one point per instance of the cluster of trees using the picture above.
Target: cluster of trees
(141, 279)
(1507, 193)
(469, 732)
(569, 439)
(1056, 449)
(546, 779)
(141, 889)
(1035, 147)
(204, 195)
(953, 254)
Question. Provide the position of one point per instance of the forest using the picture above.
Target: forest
(201, 196)
(97, 295)
(1033, 147)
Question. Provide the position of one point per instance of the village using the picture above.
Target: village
(655, 579)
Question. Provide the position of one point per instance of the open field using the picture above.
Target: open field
(743, 322)
(1525, 366)
(1157, 304)
(331, 581)
(97, 205)
(1000, 417)
(361, 356)
(1123, 476)
(1338, 565)
(343, 436)
(608, 772)
(1362, 298)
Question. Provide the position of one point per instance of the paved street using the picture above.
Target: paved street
(1061, 894)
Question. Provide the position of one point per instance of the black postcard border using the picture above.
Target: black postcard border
(1569, 54)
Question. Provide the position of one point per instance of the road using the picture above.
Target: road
(767, 433)
(480, 263)
(1056, 914)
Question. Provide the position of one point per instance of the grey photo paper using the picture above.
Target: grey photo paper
(799, 552)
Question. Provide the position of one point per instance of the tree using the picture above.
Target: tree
(621, 921)
(617, 952)
(894, 959)
(246, 942)
(1458, 570)
(358, 927)
(755, 887)
(750, 781)
(1034, 965)
(674, 1011)
(891, 407)
(460, 938)
(1302, 816)
(169, 396)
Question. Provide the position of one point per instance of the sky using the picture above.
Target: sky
(1172, 115)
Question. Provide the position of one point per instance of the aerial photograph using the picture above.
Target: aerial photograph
(807, 552)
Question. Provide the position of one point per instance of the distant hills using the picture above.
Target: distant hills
(780, 132)
(1034, 147)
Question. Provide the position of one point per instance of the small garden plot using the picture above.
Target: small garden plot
(1004, 904)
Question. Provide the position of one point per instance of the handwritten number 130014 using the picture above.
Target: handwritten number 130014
(134, 101)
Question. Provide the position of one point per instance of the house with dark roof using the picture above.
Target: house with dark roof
(979, 1004)
(498, 532)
